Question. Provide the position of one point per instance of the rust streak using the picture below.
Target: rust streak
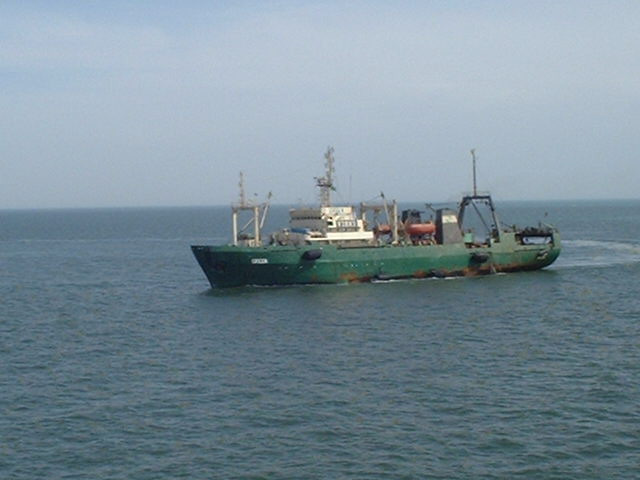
(349, 277)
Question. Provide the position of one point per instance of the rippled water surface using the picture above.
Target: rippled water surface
(117, 361)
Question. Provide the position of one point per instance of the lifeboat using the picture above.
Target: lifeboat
(382, 229)
(418, 229)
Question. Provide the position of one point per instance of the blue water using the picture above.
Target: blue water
(117, 361)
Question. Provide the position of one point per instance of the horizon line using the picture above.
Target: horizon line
(282, 204)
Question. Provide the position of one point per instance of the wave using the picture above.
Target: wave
(597, 253)
(611, 245)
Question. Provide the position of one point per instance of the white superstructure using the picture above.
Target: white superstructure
(329, 224)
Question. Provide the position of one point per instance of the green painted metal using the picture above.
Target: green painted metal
(229, 266)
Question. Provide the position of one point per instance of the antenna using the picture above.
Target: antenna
(473, 155)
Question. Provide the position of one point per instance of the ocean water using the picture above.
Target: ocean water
(117, 361)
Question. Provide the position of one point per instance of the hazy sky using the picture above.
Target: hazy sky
(162, 103)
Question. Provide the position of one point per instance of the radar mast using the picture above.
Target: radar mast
(326, 183)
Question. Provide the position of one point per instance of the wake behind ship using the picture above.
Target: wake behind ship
(342, 244)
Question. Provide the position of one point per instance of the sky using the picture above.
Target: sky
(160, 103)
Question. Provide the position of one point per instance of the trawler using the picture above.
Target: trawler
(331, 244)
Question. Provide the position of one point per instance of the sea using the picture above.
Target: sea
(118, 361)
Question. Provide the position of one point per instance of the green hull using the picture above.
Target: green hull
(231, 266)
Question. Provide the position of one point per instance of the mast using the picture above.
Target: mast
(473, 155)
(243, 197)
(326, 183)
(245, 205)
(483, 198)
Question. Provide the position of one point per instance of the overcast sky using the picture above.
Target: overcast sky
(125, 103)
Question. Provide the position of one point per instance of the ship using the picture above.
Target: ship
(333, 244)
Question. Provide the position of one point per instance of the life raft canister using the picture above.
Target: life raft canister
(417, 229)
